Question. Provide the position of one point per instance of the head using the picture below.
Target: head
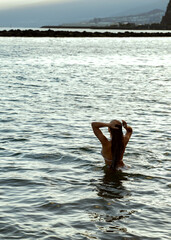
(116, 124)
(117, 142)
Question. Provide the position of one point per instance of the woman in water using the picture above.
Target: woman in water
(113, 149)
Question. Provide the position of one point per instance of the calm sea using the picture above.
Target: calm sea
(52, 182)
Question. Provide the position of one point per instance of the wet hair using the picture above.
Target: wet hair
(117, 145)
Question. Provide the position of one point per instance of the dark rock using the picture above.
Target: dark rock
(51, 33)
(166, 20)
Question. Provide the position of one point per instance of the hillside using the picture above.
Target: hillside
(154, 16)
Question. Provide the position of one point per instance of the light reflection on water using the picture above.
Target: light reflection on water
(53, 184)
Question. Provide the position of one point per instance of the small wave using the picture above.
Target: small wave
(8, 229)
(13, 139)
(7, 130)
(16, 154)
(43, 156)
(87, 149)
(21, 78)
(7, 120)
(19, 140)
(50, 206)
(20, 182)
(2, 149)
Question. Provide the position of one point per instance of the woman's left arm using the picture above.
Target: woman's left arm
(129, 131)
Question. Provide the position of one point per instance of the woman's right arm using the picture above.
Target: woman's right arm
(96, 129)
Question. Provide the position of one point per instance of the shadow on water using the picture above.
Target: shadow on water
(111, 185)
(112, 208)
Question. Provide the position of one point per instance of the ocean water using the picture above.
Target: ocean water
(52, 183)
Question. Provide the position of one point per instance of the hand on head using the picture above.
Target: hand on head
(124, 124)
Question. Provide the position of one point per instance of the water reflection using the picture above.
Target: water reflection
(111, 185)
(113, 202)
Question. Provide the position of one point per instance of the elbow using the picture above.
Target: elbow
(94, 125)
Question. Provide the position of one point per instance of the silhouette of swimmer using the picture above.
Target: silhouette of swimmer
(113, 149)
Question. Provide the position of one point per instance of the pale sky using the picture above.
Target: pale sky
(17, 3)
(6, 4)
(26, 13)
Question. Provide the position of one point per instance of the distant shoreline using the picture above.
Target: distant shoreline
(67, 34)
(129, 27)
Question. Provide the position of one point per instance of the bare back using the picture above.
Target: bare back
(106, 144)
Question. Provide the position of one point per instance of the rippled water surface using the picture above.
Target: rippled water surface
(52, 181)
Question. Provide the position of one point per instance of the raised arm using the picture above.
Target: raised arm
(96, 129)
(128, 132)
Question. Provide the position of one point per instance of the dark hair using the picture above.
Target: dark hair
(117, 145)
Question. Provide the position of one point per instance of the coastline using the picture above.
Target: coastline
(61, 33)
(129, 27)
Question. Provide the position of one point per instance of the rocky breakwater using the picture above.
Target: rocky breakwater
(51, 33)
